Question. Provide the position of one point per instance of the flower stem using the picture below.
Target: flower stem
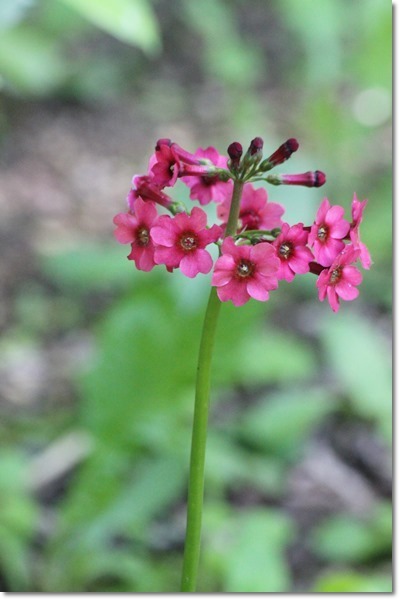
(200, 420)
(231, 226)
(197, 457)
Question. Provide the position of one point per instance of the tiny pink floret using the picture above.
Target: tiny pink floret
(164, 165)
(181, 240)
(134, 228)
(341, 279)
(327, 233)
(244, 272)
(207, 188)
(291, 249)
(357, 210)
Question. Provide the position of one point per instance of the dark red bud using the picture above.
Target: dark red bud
(235, 151)
(319, 178)
(256, 145)
(284, 152)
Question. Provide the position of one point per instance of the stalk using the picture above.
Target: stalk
(200, 421)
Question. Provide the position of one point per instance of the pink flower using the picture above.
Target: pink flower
(340, 279)
(143, 186)
(327, 233)
(244, 272)
(292, 251)
(357, 209)
(255, 210)
(164, 164)
(135, 229)
(180, 242)
(205, 188)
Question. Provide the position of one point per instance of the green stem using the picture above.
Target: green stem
(198, 452)
(235, 207)
(200, 420)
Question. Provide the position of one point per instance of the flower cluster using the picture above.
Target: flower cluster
(256, 248)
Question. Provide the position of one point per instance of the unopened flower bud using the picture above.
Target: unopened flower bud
(254, 152)
(309, 179)
(235, 152)
(284, 152)
(256, 146)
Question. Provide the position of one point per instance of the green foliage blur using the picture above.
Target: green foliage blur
(285, 372)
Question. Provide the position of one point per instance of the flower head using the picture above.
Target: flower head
(341, 279)
(134, 228)
(164, 164)
(181, 241)
(327, 233)
(292, 251)
(206, 187)
(244, 272)
(357, 209)
(255, 211)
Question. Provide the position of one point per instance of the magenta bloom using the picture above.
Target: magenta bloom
(357, 209)
(340, 279)
(164, 164)
(206, 188)
(244, 272)
(135, 229)
(180, 242)
(327, 233)
(292, 251)
(255, 210)
(143, 186)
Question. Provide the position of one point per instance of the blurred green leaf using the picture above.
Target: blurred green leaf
(18, 518)
(360, 359)
(89, 267)
(131, 21)
(284, 419)
(30, 62)
(352, 582)
(253, 547)
(227, 56)
(245, 352)
(115, 506)
(346, 539)
(229, 465)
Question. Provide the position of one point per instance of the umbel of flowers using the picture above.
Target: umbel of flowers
(256, 247)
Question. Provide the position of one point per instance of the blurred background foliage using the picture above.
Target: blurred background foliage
(98, 360)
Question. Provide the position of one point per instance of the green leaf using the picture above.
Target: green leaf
(229, 465)
(283, 420)
(246, 352)
(91, 266)
(30, 61)
(350, 540)
(18, 518)
(360, 358)
(131, 21)
(352, 582)
(253, 552)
